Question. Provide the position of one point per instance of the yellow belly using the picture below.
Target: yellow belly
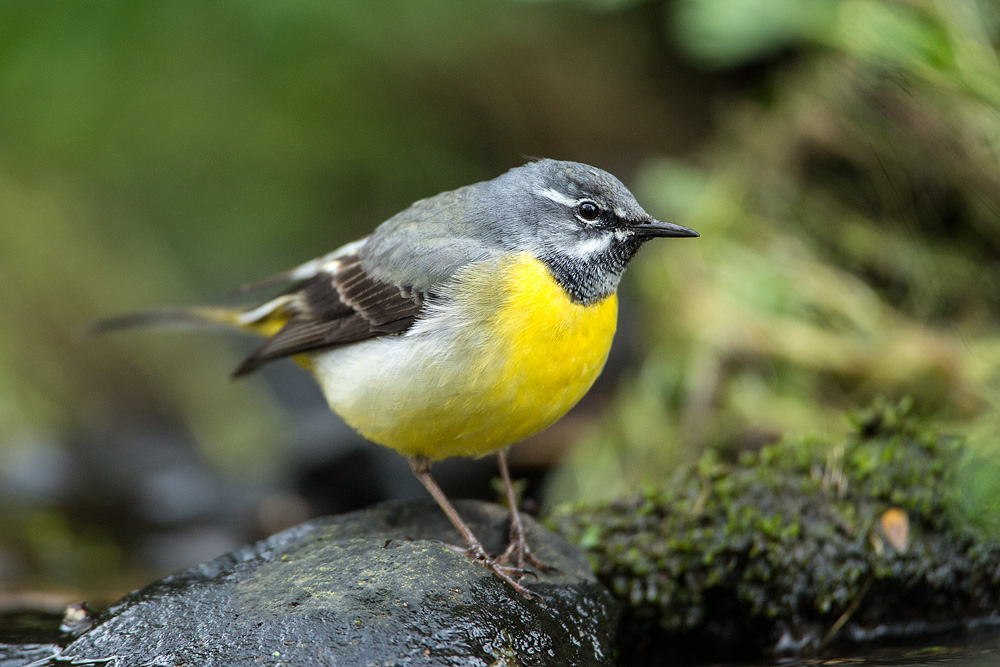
(507, 355)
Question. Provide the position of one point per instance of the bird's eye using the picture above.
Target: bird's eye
(588, 210)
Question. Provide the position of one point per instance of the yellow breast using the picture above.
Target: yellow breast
(505, 355)
(556, 348)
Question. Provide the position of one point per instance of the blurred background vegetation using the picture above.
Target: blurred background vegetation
(841, 159)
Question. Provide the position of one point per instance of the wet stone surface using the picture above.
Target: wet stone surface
(366, 588)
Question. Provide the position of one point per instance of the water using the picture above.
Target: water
(29, 636)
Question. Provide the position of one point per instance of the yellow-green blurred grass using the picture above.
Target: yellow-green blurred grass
(59, 273)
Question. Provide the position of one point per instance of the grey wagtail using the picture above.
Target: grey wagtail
(463, 324)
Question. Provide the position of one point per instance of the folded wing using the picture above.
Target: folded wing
(338, 303)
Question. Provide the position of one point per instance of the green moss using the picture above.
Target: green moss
(788, 540)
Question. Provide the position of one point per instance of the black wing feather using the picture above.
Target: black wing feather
(338, 308)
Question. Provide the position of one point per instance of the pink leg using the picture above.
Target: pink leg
(422, 469)
(518, 549)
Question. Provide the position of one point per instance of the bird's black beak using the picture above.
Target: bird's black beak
(657, 229)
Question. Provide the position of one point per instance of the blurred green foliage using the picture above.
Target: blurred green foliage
(163, 154)
(840, 159)
(850, 220)
(154, 154)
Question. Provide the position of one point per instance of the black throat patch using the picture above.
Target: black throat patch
(594, 277)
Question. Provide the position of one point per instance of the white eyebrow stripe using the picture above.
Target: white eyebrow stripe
(557, 197)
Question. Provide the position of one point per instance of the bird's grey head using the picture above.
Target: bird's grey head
(581, 221)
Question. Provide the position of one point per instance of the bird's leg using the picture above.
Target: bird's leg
(518, 550)
(422, 469)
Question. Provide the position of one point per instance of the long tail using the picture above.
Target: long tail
(265, 320)
(197, 316)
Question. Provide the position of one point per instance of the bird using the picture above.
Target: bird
(460, 326)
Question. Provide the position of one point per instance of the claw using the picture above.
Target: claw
(511, 574)
(474, 551)
(508, 573)
(518, 552)
(500, 571)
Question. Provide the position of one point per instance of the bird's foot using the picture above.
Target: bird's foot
(509, 573)
(520, 555)
(474, 551)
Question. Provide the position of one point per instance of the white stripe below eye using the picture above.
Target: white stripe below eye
(591, 246)
(557, 197)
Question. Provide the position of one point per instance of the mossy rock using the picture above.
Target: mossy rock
(795, 546)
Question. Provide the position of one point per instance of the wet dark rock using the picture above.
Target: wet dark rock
(366, 588)
(27, 634)
(20, 655)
